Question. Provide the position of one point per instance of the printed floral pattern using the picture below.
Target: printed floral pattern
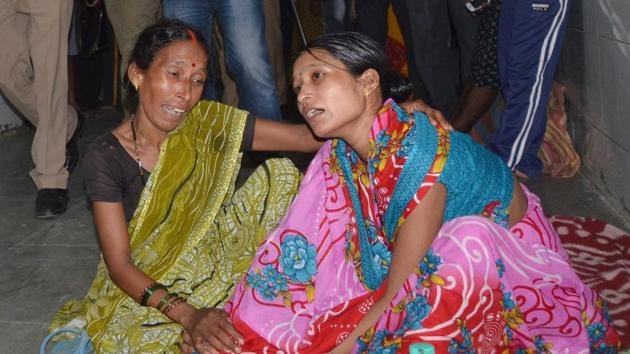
(604, 348)
(381, 342)
(298, 259)
(511, 314)
(268, 282)
(596, 331)
(541, 345)
(382, 257)
(416, 308)
(465, 346)
(466, 266)
(386, 156)
(500, 267)
(415, 311)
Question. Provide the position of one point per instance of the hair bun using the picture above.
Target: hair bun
(397, 87)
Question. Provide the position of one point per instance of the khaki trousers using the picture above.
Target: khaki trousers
(34, 77)
(128, 19)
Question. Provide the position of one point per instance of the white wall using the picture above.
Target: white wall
(595, 67)
(8, 118)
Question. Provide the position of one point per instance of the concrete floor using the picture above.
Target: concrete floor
(43, 263)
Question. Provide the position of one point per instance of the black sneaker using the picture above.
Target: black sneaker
(72, 146)
(51, 202)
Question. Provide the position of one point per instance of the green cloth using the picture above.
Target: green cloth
(191, 231)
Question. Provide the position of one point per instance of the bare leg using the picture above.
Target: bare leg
(472, 104)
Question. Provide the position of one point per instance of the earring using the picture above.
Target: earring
(135, 85)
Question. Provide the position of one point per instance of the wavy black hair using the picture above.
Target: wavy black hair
(359, 53)
(150, 42)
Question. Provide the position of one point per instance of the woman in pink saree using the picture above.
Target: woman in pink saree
(405, 233)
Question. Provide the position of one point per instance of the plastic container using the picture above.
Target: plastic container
(421, 348)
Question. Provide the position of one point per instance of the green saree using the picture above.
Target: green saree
(191, 231)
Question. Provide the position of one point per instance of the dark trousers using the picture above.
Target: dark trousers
(443, 36)
(531, 33)
(371, 20)
(336, 15)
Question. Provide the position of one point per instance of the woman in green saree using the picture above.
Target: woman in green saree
(175, 244)
(190, 232)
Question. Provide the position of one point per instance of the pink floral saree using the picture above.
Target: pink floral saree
(479, 288)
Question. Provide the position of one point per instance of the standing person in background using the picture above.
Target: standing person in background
(275, 45)
(482, 86)
(530, 38)
(442, 42)
(242, 24)
(336, 15)
(128, 18)
(372, 21)
(34, 77)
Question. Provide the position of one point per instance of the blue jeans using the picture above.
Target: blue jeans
(242, 24)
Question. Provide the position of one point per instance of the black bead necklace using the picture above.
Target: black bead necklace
(135, 148)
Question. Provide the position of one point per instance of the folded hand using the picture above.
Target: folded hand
(210, 331)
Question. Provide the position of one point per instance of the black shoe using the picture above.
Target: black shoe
(51, 202)
(72, 146)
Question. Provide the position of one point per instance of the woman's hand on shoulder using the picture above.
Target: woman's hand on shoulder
(210, 331)
(435, 116)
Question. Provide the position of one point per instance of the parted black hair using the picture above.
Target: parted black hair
(359, 53)
(150, 42)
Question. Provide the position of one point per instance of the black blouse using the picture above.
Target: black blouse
(110, 174)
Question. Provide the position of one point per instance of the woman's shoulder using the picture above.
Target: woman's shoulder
(104, 142)
(104, 152)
